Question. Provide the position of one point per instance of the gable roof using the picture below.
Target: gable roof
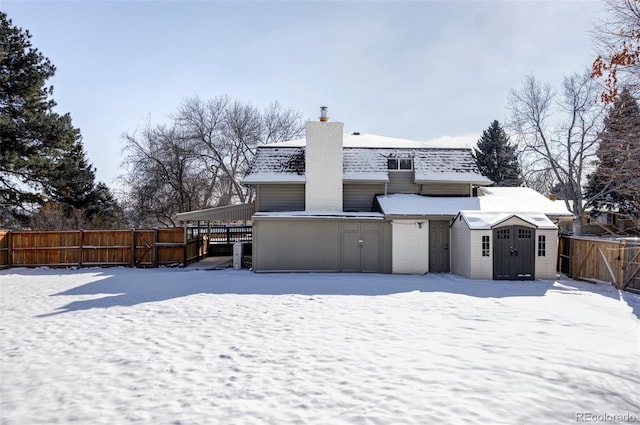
(489, 220)
(284, 162)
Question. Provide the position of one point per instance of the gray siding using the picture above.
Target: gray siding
(448, 189)
(293, 244)
(280, 197)
(402, 182)
(360, 196)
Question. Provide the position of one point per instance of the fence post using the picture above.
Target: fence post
(228, 234)
(133, 247)
(10, 249)
(155, 247)
(80, 247)
(620, 271)
(184, 248)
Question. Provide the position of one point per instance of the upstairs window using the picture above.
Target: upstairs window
(403, 164)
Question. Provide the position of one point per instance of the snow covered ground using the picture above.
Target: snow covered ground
(184, 346)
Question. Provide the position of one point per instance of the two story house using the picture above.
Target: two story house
(335, 202)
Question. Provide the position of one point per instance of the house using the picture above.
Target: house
(335, 202)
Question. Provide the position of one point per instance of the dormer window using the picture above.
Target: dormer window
(403, 164)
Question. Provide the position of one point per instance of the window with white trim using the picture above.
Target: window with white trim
(485, 246)
(542, 245)
(402, 164)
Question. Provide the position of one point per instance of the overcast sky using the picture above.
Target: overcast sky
(416, 70)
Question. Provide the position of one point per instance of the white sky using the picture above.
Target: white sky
(415, 70)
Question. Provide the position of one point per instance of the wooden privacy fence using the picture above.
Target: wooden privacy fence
(135, 248)
(616, 261)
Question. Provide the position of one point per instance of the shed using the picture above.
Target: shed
(503, 245)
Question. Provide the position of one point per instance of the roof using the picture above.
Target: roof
(365, 140)
(503, 200)
(488, 220)
(519, 199)
(285, 162)
(402, 204)
(239, 212)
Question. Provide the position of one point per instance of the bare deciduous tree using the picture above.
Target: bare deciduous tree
(200, 160)
(557, 133)
(617, 40)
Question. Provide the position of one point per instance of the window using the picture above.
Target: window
(399, 164)
(485, 246)
(542, 245)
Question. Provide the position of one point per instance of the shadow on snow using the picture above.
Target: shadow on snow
(128, 287)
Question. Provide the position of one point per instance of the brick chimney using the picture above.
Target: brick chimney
(323, 164)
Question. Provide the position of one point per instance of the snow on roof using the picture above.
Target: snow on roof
(487, 220)
(364, 140)
(522, 201)
(319, 214)
(368, 163)
(518, 199)
(410, 204)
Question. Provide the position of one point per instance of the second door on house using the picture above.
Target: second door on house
(438, 246)
(513, 253)
(361, 247)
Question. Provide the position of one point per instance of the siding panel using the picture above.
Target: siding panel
(280, 197)
(448, 189)
(360, 197)
(402, 182)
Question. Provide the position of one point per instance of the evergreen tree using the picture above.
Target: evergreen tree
(496, 157)
(42, 158)
(615, 184)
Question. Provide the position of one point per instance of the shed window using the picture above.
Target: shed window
(399, 164)
(542, 245)
(485, 246)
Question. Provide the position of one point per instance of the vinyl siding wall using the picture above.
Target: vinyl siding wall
(460, 248)
(360, 196)
(445, 189)
(309, 244)
(280, 197)
(546, 266)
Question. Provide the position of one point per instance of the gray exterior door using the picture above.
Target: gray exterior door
(361, 247)
(438, 246)
(514, 253)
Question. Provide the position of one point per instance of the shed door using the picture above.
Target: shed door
(514, 253)
(361, 247)
(439, 246)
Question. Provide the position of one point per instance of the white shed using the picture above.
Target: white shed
(502, 245)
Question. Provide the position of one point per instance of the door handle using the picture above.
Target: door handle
(360, 242)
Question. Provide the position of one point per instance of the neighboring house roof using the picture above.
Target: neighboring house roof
(365, 140)
(488, 220)
(366, 161)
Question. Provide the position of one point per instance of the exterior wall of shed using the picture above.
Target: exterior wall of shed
(546, 266)
(360, 196)
(280, 197)
(308, 245)
(461, 249)
(410, 247)
(466, 251)
(481, 267)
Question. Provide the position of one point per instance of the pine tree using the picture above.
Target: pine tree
(42, 158)
(496, 157)
(615, 184)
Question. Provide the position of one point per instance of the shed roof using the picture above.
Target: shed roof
(488, 220)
